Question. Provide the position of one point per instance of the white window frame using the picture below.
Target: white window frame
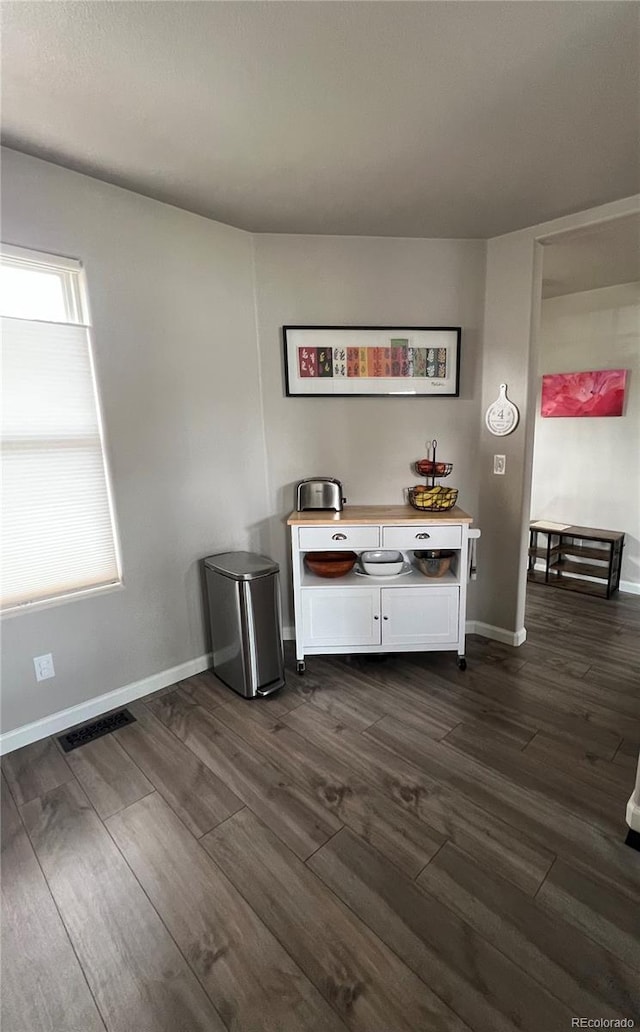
(76, 295)
(75, 290)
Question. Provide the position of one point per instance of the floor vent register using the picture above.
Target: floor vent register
(89, 732)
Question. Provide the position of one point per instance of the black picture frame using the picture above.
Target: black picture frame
(313, 362)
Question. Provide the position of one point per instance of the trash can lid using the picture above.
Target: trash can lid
(241, 565)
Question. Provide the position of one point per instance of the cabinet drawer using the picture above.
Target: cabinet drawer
(422, 537)
(330, 538)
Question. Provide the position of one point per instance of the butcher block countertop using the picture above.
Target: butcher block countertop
(364, 514)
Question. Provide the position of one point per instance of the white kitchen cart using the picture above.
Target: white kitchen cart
(355, 613)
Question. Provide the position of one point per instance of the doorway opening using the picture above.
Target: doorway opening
(585, 492)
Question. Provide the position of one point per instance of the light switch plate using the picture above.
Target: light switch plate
(44, 667)
(500, 464)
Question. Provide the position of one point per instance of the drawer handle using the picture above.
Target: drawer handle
(385, 617)
(423, 536)
(338, 537)
(376, 618)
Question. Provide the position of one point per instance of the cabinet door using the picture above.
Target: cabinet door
(340, 616)
(420, 616)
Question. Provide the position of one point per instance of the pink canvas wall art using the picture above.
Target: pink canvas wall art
(593, 393)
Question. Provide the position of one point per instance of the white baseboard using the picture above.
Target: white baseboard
(497, 633)
(630, 587)
(73, 715)
(633, 813)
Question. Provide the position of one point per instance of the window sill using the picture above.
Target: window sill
(59, 600)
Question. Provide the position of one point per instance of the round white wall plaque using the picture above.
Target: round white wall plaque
(502, 416)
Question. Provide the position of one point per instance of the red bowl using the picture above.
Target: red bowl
(427, 467)
(330, 564)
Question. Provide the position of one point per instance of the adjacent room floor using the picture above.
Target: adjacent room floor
(384, 846)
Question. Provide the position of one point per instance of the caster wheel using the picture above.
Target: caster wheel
(462, 663)
(300, 667)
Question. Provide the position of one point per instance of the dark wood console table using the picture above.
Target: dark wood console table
(571, 554)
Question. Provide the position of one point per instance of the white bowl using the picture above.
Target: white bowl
(381, 555)
(382, 569)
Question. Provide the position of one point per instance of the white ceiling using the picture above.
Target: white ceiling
(598, 256)
(378, 118)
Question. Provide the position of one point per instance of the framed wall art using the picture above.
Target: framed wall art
(598, 392)
(394, 361)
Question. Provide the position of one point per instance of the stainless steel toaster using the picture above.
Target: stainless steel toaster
(319, 493)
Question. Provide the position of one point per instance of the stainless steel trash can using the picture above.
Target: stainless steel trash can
(244, 607)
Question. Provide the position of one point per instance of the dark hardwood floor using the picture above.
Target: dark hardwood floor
(384, 846)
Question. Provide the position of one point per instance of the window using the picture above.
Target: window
(58, 531)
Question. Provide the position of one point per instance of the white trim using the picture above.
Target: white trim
(582, 219)
(27, 256)
(514, 638)
(633, 806)
(69, 271)
(73, 715)
(633, 814)
(630, 587)
(75, 595)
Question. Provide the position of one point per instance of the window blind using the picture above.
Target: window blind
(58, 532)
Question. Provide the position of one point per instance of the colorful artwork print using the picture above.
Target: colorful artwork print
(308, 361)
(339, 362)
(397, 360)
(325, 361)
(592, 393)
(419, 361)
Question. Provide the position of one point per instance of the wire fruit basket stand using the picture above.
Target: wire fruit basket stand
(432, 497)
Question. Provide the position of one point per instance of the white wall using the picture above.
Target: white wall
(174, 334)
(587, 471)
(368, 443)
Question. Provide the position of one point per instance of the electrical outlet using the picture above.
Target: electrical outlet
(499, 464)
(44, 667)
